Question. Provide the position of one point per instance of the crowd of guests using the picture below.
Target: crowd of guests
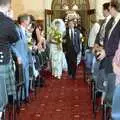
(103, 56)
(20, 42)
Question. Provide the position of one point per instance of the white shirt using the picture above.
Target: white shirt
(107, 19)
(103, 30)
(93, 33)
(71, 31)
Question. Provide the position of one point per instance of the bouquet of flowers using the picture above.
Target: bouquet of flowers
(55, 35)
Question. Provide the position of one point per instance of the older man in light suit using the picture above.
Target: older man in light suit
(21, 48)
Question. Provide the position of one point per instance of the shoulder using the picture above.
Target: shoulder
(6, 20)
(9, 21)
(97, 25)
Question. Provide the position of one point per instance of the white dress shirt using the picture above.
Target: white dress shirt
(70, 32)
(93, 33)
(107, 19)
(103, 30)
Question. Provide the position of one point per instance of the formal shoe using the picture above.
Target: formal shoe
(26, 100)
(73, 77)
(70, 77)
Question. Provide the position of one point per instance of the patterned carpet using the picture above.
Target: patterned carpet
(60, 100)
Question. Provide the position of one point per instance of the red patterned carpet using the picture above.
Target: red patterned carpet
(60, 100)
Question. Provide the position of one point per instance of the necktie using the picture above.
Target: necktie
(72, 35)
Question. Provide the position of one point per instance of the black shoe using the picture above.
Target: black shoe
(73, 77)
(70, 77)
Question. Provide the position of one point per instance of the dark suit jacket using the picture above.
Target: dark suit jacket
(68, 44)
(110, 46)
(107, 28)
(8, 35)
(97, 41)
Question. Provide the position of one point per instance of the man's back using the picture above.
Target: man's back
(8, 35)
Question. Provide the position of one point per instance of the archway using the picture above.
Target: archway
(83, 8)
(58, 10)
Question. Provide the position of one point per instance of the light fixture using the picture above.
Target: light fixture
(66, 7)
(75, 7)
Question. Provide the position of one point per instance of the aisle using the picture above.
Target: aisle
(61, 100)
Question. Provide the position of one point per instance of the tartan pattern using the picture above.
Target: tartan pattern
(3, 93)
(10, 81)
(8, 75)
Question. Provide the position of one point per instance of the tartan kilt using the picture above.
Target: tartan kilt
(8, 75)
(10, 80)
(7, 84)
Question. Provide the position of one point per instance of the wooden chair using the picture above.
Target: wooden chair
(20, 84)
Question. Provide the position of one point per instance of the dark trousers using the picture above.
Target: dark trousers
(71, 58)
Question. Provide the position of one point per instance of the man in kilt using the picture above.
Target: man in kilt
(8, 35)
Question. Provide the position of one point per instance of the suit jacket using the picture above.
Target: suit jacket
(20, 48)
(111, 45)
(68, 44)
(107, 28)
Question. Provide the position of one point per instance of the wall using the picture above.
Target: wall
(98, 6)
(35, 7)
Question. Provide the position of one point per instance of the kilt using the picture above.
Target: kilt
(7, 83)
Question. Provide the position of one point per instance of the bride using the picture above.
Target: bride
(58, 60)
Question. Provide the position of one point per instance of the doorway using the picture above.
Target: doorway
(60, 8)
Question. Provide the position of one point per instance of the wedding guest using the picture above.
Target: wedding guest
(33, 72)
(93, 33)
(99, 44)
(115, 37)
(38, 37)
(8, 35)
(111, 42)
(89, 56)
(21, 50)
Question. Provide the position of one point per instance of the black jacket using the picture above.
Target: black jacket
(8, 35)
(68, 45)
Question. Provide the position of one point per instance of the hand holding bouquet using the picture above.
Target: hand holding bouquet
(55, 35)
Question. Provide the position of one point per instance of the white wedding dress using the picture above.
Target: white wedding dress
(58, 60)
